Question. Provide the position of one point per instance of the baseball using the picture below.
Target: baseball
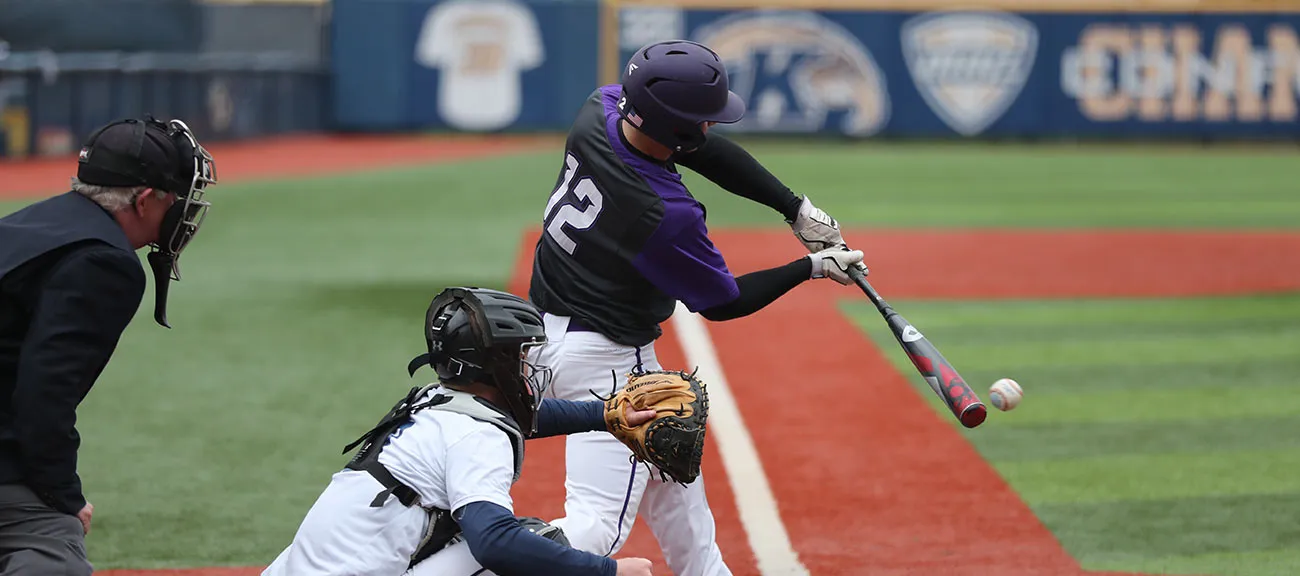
(1005, 394)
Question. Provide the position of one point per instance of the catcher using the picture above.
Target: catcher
(428, 492)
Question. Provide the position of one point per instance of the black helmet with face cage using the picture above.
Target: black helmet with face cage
(163, 156)
(479, 335)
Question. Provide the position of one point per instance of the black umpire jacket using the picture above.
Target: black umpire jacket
(70, 282)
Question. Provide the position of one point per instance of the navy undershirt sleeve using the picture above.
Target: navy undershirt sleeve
(563, 417)
(758, 289)
(500, 544)
(735, 170)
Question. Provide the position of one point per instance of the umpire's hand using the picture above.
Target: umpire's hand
(84, 516)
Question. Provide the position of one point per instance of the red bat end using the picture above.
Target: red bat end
(959, 397)
(973, 415)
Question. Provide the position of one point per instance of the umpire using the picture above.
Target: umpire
(70, 282)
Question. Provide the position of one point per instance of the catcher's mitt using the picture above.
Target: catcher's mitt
(674, 441)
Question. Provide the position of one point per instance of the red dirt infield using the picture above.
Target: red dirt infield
(894, 489)
(902, 492)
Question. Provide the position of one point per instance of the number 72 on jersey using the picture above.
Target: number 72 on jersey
(561, 211)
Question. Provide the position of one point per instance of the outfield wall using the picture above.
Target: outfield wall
(1139, 69)
(1135, 69)
(49, 103)
(232, 69)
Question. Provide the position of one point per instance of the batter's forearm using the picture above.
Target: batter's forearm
(735, 170)
(758, 289)
(563, 417)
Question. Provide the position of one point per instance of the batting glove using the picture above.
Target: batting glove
(815, 228)
(834, 263)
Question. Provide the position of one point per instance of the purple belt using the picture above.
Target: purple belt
(576, 326)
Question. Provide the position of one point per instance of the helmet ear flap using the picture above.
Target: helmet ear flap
(689, 139)
(455, 369)
(670, 88)
(454, 334)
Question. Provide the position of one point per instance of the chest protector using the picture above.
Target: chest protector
(442, 527)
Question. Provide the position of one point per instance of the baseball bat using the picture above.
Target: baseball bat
(937, 371)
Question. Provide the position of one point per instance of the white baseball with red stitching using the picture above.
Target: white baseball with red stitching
(1005, 394)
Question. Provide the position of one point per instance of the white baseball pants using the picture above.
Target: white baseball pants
(605, 487)
(454, 560)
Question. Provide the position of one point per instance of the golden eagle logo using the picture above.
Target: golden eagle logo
(799, 72)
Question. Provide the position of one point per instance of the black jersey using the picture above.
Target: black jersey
(622, 239)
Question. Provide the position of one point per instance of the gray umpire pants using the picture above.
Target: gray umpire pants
(37, 540)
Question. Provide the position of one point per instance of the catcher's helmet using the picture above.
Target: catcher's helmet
(485, 336)
(671, 87)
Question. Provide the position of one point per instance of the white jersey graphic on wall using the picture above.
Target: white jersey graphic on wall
(969, 66)
(481, 47)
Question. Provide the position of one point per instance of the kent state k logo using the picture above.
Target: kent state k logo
(799, 72)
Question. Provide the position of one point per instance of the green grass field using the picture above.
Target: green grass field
(1156, 435)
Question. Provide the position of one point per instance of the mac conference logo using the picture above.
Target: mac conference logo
(799, 72)
(969, 66)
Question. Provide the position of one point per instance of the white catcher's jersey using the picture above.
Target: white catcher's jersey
(449, 459)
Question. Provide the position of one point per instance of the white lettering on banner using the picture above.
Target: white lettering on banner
(1158, 73)
(799, 72)
(969, 66)
(481, 47)
(639, 26)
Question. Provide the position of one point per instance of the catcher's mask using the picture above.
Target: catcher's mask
(490, 337)
(162, 156)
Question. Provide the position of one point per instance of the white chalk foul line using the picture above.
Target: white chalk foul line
(758, 512)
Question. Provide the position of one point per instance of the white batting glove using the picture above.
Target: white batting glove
(816, 229)
(835, 263)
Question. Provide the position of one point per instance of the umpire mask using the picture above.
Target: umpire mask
(163, 156)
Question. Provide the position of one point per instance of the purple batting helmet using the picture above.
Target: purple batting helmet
(671, 87)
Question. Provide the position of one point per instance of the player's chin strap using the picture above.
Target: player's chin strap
(427, 359)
